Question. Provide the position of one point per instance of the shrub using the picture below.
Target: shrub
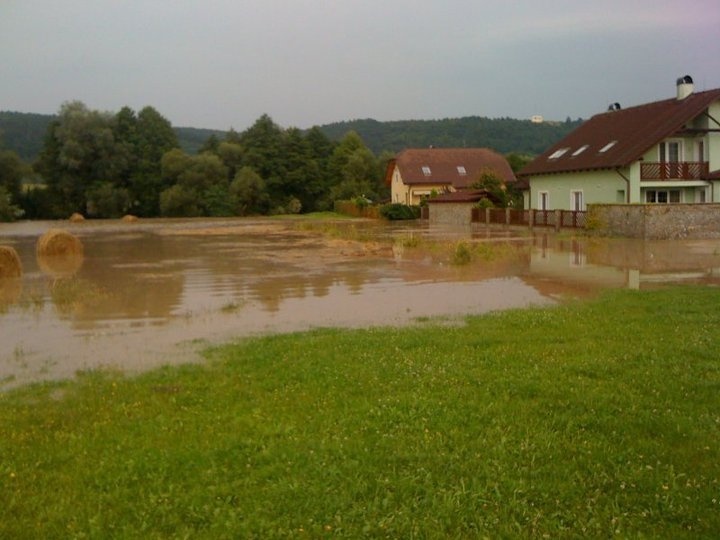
(397, 211)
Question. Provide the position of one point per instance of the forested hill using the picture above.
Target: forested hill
(501, 134)
(24, 133)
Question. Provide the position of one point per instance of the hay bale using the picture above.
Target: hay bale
(10, 265)
(129, 218)
(76, 218)
(10, 291)
(59, 253)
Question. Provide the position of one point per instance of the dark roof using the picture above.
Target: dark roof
(467, 195)
(635, 130)
(714, 175)
(443, 166)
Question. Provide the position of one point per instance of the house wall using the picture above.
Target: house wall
(405, 194)
(713, 139)
(450, 213)
(656, 221)
(604, 187)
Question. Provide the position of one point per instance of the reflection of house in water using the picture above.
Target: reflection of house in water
(560, 266)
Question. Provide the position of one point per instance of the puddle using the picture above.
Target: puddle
(153, 292)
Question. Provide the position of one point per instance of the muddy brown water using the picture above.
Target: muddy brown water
(156, 291)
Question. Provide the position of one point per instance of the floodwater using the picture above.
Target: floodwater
(156, 291)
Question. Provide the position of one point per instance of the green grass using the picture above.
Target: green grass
(591, 420)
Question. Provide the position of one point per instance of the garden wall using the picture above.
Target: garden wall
(656, 221)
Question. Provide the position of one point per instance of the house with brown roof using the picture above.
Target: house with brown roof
(658, 153)
(416, 173)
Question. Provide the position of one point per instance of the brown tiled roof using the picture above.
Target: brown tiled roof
(443, 166)
(466, 195)
(635, 130)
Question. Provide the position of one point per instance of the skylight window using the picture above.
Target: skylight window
(426, 170)
(580, 150)
(608, 146)
(461, 170)
(557, 153)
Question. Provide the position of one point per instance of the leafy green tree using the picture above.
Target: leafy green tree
(8, 210)
(12, 172)
(231, 155)
(263, 145)
(517, 160)
(179, 201)
(79, 150)
(105, 200)
(155, 137)
(354, 170)
(249, 193)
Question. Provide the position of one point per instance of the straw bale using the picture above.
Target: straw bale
(129, 218)
(76, 218)
(10, 291)
(10, 265)
(59, 253)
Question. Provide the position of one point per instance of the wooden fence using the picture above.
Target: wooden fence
(530, 218)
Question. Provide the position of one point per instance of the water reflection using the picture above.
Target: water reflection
(142, 289)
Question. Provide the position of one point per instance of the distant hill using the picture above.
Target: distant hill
(24, 133)
(501, 134)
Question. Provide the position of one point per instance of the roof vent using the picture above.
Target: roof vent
(614, 107)
(685, 87)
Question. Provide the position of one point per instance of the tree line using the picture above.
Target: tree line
(107, 165)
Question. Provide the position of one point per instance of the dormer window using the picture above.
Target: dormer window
(461, 170)
(580, 150)
(426, 170)
(608, 146)
(558, 153)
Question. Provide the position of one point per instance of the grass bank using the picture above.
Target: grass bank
(588, 420)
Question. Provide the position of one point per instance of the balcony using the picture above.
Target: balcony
(675, 170)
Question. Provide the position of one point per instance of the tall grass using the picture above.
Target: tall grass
(587, 420)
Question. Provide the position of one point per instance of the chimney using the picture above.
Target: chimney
(685, 87)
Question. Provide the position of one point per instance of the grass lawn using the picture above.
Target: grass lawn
(586, 420)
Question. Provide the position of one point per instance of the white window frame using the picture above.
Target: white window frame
(573, 201)
(664, 151)
(543, 200)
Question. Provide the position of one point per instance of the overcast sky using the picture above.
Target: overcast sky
(223, 63)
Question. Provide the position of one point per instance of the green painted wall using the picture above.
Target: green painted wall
(600, 187)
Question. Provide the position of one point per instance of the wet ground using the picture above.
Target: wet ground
(153, 292)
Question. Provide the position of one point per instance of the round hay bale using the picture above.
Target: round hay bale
(129, 218)
(59, 253)
(10, 291)
(10, 265)
(76, 218)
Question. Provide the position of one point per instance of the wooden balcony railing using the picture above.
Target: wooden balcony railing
(680, 170)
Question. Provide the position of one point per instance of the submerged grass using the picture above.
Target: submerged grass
(586, 420)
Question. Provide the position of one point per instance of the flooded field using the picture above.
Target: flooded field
(153, 292)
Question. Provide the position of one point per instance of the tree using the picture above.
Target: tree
(249, 193)
(353, 169)
(79, 150)
(155, 137)
(105, 200)
(12, 172)
(8, 210)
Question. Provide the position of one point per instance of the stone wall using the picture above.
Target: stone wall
(448, 213)
(656, 221)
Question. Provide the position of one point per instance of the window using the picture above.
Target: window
(662, 196)
(557, 153)
(670, 151)
(608, 146)
(461, 170)
(543, 200)
(580, 150)
(576, 201)
(426, 170)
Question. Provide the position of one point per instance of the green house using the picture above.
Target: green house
(663, 152)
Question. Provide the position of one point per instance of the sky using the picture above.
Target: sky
(223, 63)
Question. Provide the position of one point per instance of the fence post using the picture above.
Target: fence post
(558, 220)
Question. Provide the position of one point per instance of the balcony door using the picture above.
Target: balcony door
(670, 153)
